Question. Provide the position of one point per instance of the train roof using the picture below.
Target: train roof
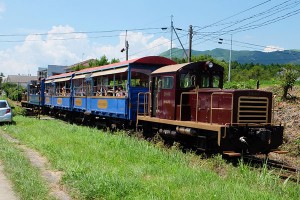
(200, 65)
(150, 60)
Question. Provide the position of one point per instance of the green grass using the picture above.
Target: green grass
(99, 165)
(25, 178)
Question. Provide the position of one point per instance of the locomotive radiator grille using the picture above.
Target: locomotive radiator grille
(253, 110)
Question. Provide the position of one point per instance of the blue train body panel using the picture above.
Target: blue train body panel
(48, 100)
(34, 99)
(109, 106)
(62, 102)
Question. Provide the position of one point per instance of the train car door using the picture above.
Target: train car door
(164, 97)
(155, 94)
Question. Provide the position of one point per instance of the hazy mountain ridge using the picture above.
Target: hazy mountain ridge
(275, 57)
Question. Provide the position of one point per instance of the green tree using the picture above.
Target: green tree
(13, 91)
(97, 62)
(103, 61)
(288, 79)
(1, 79)
(114, 60)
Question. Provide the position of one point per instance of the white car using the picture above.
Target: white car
(5, 112)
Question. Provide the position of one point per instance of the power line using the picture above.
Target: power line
(78, 32)
(234, 15)
(75, 38)
(274, 10)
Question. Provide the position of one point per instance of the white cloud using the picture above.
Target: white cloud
(2, 7)
(272, 48)
(66, 49)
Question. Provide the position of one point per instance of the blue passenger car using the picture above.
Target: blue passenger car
(112, 90)
(34, 96)
(107, 92)
(58, 92)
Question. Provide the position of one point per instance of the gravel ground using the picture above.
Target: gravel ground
(288, 113)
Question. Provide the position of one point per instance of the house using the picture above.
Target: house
(83, 63)
(20, 80)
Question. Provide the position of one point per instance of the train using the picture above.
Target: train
(180, 102)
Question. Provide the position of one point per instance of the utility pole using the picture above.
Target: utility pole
(126, 46)
(172, 27)
(229, 64)
(190, 43)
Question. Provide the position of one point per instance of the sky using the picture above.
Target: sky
(38, 33)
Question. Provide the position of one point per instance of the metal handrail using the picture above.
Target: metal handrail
(145, 103)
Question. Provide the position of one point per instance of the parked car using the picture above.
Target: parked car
(5, 112)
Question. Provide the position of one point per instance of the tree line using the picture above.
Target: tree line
(241, 74)
(285, 75)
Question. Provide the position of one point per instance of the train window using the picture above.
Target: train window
(204, 81)
(49, 89)
(139, 79)
(79, 87)
(110, 85)
(187, 80)
(167, 82)
(216, 81)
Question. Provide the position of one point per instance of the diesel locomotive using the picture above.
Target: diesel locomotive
(181, 102)
(186, 102)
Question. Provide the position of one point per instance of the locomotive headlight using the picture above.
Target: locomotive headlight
(209, 64)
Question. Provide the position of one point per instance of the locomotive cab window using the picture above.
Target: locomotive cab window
(187, 80)
(167, 82)
(204, 81)
(216, 81)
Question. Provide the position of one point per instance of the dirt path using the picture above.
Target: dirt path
(51, 177)
(6, 191)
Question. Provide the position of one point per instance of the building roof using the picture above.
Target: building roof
(19, 78)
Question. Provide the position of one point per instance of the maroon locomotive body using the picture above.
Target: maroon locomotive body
(186, 102)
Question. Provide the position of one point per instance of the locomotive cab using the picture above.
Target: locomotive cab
(173, 86)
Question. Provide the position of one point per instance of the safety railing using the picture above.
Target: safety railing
(145, 103)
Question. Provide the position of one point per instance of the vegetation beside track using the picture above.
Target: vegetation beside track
(99, 165)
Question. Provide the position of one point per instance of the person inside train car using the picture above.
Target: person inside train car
(63, 91)
(120, 92)
(111, 91)
(98, 93)
(81, 93)
(68, 93)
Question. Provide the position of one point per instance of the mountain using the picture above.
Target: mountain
(275, 57)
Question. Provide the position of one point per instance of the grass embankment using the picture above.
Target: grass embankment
(98, 165)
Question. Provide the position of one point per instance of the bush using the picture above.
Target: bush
(288, 79)
(251, 84)
(17, 110)
(13, 91)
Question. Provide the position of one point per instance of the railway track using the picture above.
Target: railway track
(279, 169)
